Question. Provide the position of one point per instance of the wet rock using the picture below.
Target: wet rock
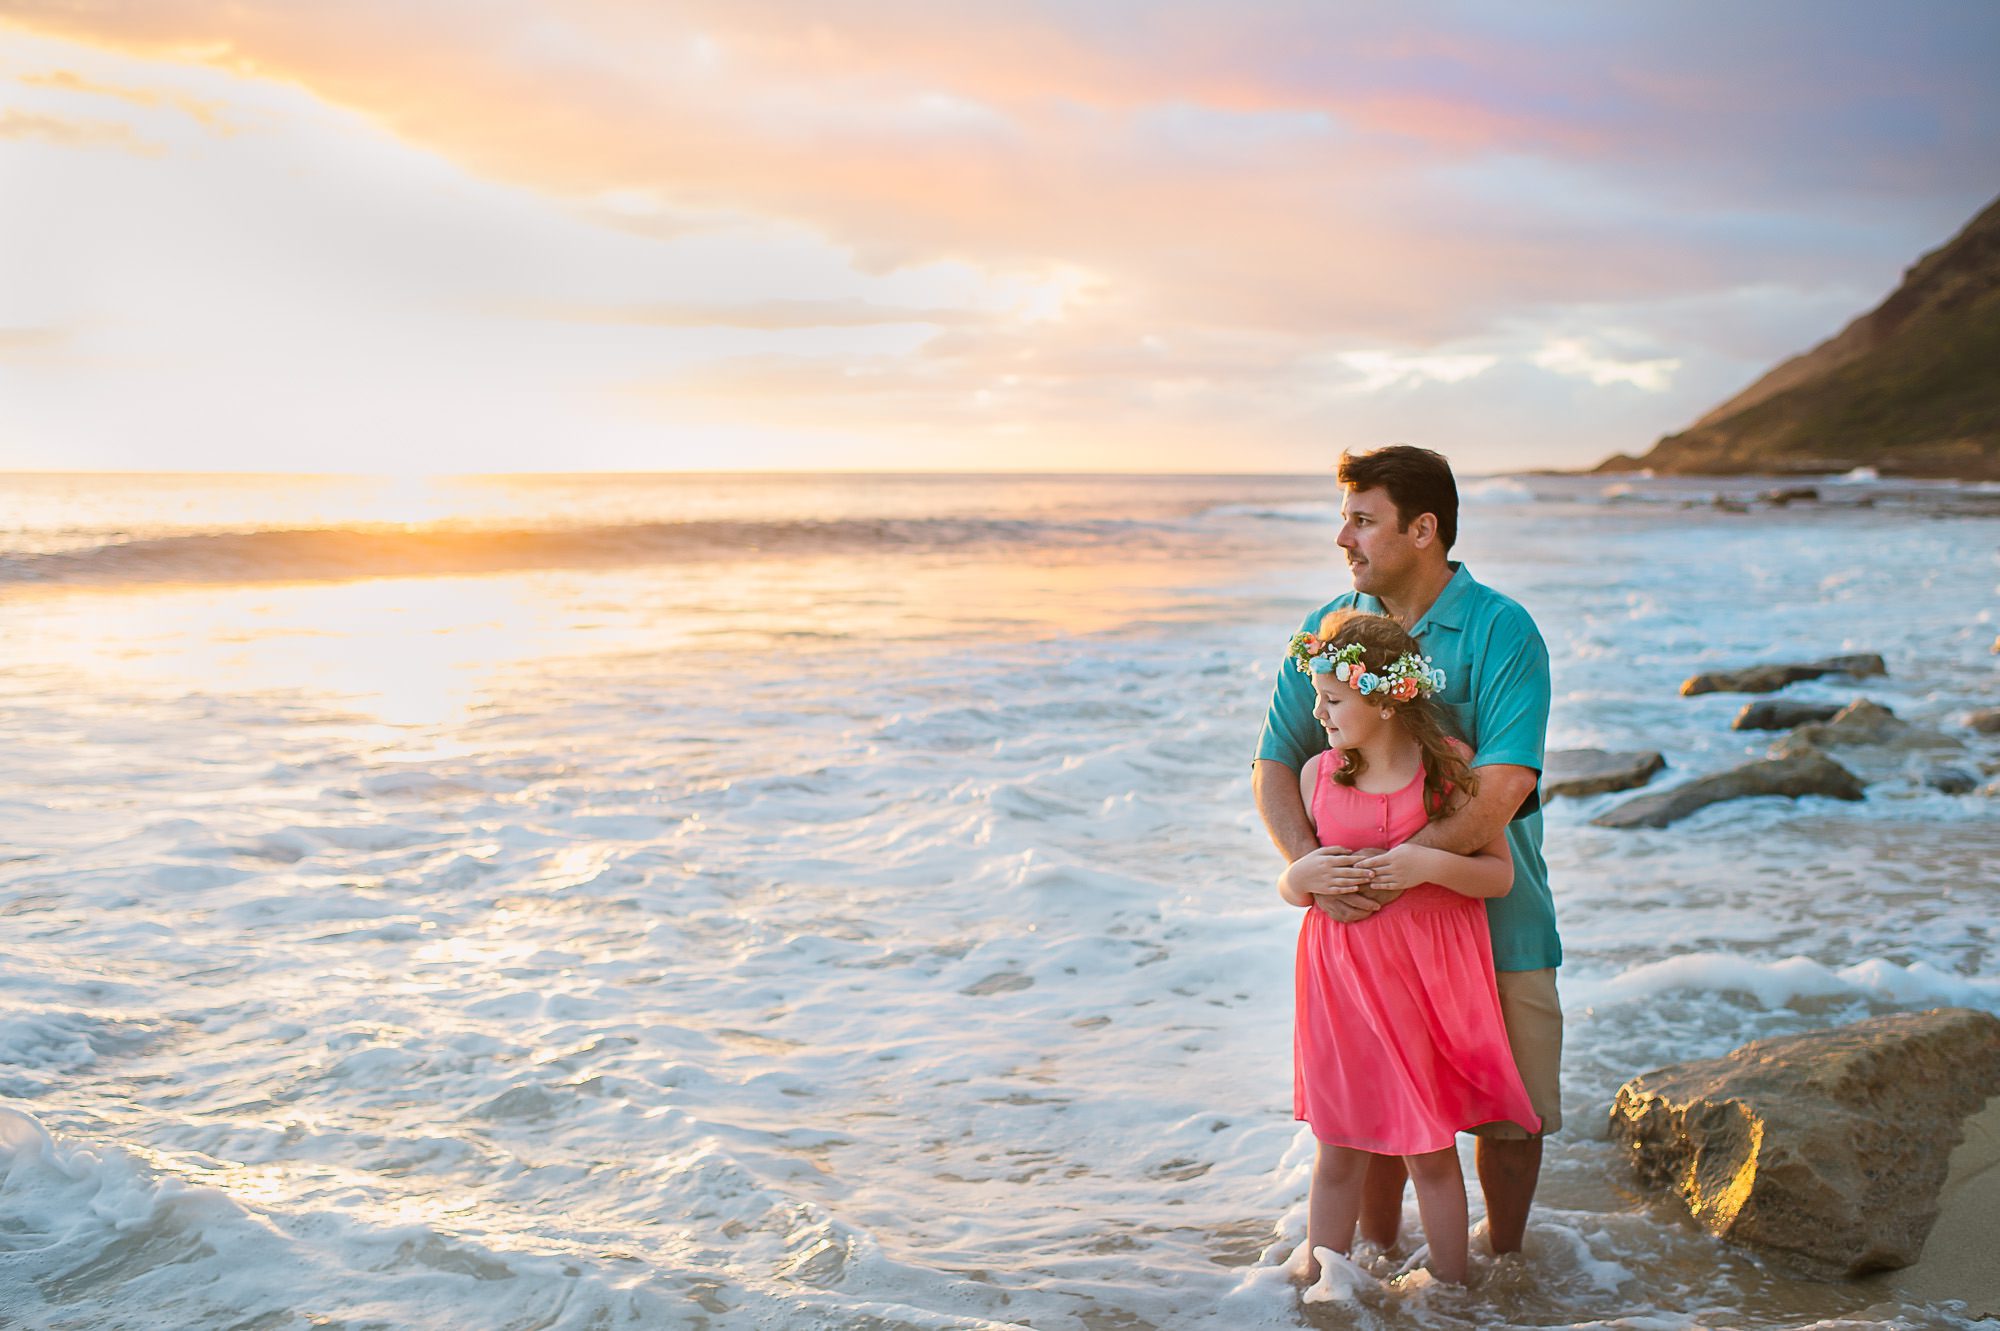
(1781, 714)
(1724, 504)
(1809, 773)
(1771, 678)
(1860, 723)
(999, 982)
(1951, 780)
(1831, 1145)
(1580, 772)
(1798, 494)
(527, 1101)
(1986, 720)
(1753, 679)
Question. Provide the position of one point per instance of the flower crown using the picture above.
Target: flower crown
(1408, 676)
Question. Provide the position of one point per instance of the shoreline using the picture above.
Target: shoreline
(1872, 474)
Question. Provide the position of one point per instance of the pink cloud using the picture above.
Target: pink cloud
(790, 116)
(1250, 187)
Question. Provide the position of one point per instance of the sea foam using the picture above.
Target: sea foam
(865, 933)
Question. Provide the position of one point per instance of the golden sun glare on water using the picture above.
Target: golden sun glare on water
(400, 654)
(401, 651)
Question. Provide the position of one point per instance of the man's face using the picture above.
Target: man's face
(1382, 557)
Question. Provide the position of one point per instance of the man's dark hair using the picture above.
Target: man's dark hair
(1418, 481)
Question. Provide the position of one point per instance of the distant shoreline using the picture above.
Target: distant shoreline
(1652, 473)
(1801, 477)
(1818, 470)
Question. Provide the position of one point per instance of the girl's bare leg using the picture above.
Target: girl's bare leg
(1441, 1202)
(1382, 1200)
(1335, 1200)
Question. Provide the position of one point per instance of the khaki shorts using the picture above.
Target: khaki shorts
(1534, 1018)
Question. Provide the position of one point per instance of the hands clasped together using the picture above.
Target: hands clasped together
(1348, 884)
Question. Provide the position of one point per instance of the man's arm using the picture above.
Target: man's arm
(1485, 875)
(1475, 823)
(1279, 804)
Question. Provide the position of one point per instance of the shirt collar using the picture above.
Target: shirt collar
(1449, 610)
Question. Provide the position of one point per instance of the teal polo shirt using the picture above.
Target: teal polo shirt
(1496, 699)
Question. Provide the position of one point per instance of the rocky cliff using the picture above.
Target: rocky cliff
(1911, 388)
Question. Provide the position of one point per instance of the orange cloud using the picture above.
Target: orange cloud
(32, 341)
(1248, 219)
(918, 133)
(64, 80)
(1044, 396)
(27, 125)
(769, 316)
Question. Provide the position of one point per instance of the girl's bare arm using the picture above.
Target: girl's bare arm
(1487, 872)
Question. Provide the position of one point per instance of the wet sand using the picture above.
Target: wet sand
(1958, 1261)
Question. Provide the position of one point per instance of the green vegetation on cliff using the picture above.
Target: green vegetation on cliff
(1911, 388)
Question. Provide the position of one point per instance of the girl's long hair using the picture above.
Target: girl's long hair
(1448, 780)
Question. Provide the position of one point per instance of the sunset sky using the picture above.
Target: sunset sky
(606, 234)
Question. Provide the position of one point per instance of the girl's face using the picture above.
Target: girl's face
(1350, 720)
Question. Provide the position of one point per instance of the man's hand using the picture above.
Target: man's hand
(1349, 907)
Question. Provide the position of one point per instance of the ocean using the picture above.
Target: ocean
(836, 901)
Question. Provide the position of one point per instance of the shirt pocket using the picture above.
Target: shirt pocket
(1457, 699)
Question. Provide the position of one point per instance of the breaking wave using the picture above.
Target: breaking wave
(340, 553)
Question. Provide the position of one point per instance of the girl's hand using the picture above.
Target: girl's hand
(1327, 871)
(1395, 870)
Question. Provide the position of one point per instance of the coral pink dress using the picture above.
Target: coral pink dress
(1398, 1043)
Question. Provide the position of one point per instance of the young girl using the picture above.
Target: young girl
(1398, 1043)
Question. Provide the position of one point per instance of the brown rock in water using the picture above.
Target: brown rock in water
(1580, 772)
(1951, 780)
(1808, 773)
(1860, 723)
(1831, 1145)
(1781, 714)
(1986, 720)
(1771, 678)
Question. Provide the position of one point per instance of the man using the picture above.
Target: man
(1399, 517)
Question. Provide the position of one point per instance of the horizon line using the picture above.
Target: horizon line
(708, 472)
